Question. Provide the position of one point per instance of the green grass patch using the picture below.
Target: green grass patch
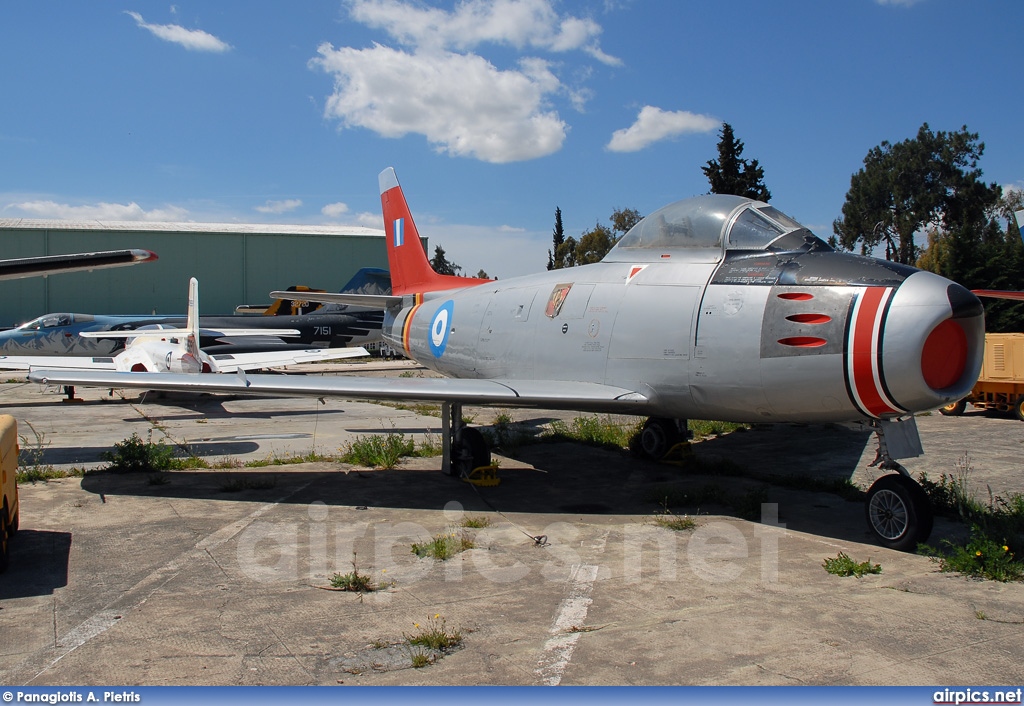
(603, 432)
(133, 455)
(671, 521)
(982, 557)
(478, 522)
(843, 565)
(443, 546)
(435, 635)
(997, 528)
(37, 474)
(379, 450)
(703, 428)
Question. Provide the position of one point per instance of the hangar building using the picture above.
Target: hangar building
(235, 263)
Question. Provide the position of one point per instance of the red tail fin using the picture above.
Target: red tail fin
(410, 270)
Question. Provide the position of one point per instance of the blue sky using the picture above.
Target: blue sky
(492, 112)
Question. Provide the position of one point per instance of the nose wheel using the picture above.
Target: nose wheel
(898, 512)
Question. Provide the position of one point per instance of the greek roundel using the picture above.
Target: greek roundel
(440, 327)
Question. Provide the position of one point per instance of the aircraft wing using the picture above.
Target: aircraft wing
(233, 362)
(999, 294)
(63, 362)
(543, 394)
(21, 267)
(373, 301)
(143, 332)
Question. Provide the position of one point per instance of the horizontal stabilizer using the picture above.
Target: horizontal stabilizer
(167, 332)
(372, 301)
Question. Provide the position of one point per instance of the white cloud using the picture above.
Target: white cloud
(370, 219)
(462, 104)
(899, 3)
(333, 210)
(99, 212)
(654, 124)
(517, 23)
(191, 39)
(278, 207)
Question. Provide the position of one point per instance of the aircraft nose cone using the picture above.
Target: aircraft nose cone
(934, 340)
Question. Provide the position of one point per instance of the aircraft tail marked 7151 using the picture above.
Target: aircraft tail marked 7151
(715, 307)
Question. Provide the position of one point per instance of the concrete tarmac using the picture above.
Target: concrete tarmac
(222, 576)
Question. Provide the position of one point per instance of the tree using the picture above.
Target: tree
(481, 274)
(729, 174)
(557, 239)
(594, 244)
(440, 263)
(623, 219)
(929, 180)
(984, 256)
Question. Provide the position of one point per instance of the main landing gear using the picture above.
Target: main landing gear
(897, 509)
(464, 448)
(659, 435)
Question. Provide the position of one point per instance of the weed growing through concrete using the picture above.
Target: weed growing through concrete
(478, 522)
(843, 565)
(379, 450)
(997, 529)
(443, 546)
(594, 431)
(436, 635)
(982, 557)
(134, 455)
(357, 582)
(670, 520)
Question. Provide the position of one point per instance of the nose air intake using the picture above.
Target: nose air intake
(934, 342)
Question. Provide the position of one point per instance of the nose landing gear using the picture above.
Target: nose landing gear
(898, 510)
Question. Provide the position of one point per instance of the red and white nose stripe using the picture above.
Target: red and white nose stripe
(865, 379)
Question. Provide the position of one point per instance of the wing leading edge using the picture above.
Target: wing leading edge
(542, 394)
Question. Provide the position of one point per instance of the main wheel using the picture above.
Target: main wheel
(1018, 408)
(953, 409)
(469, 452)
(658, 436)
(898, 512)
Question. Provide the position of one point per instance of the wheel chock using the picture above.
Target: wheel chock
(483, 476)
(679, 455)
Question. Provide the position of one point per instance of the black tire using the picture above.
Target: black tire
(898, 512)
(1018, 408)
(658, 436)
(5, 540)
(469, 452)
(953, 409)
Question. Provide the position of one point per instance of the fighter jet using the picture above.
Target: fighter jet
(22, 267)
(714, 307)
(161, 348)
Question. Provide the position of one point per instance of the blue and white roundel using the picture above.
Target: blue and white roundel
(440, 327)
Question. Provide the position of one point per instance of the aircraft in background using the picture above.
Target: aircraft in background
(714, 307)
(159, 348)
(329, 326)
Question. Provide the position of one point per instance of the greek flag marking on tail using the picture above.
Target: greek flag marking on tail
(399, 232)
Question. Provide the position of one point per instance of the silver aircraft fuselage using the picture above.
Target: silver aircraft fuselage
(720, 309)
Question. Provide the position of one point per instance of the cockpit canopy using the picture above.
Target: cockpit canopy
(48, 321)
(704, 226)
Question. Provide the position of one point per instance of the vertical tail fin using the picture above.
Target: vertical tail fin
(192, 340)
(410, 270)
